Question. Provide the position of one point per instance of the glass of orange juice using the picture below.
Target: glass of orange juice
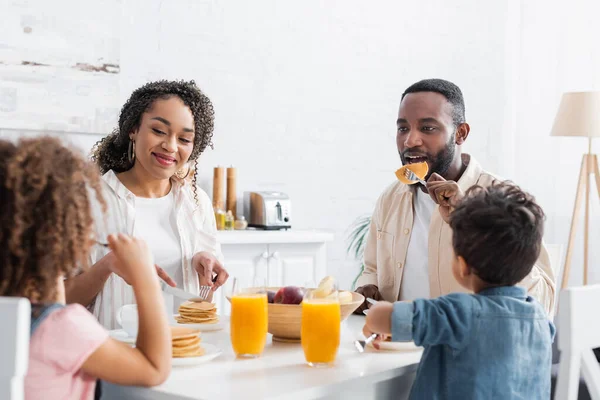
(249, 318)
(321, 320)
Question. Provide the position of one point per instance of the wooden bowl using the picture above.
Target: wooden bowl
(285, 320)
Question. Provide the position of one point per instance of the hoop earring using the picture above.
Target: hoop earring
(180, 173)
(131, 151)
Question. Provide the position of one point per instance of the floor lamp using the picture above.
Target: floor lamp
(579, 115)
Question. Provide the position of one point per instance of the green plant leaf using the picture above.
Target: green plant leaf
(356, 241)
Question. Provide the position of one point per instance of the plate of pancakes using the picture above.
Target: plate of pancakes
(188, 349)
(198, 315)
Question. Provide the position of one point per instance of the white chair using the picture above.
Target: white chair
(555, 252)
(15, 314)
(580, 333)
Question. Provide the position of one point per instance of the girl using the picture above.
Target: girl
(46, 234)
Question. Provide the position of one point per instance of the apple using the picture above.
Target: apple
(289, 295)
(270, 296)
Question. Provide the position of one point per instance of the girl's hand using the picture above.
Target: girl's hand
(133, 259)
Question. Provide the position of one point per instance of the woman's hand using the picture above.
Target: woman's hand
(110, 262)
(164, 276)
(209, 269)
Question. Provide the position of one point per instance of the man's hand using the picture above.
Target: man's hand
(369, 291)
(209, 269)
(445, 193)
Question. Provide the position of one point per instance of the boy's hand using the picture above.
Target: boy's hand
(379, 320)
(367, 333)
(133, 259)
(445, 193)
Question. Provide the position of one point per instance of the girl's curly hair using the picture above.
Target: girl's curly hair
(46, 223)
(110, 153)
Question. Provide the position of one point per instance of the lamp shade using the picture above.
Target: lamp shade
(578, 115)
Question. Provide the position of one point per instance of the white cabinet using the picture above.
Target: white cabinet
(296, 264)
(281, 258)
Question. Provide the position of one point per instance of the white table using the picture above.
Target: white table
(281, 373)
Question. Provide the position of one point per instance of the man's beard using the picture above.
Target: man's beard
(440, 163)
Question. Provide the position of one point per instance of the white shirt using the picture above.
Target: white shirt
(196, 229)
(415, 280)
(156, 223)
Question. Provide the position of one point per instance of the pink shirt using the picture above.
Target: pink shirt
(58, 348)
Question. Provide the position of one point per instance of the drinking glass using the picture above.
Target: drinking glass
(249, 318)
(321, 320)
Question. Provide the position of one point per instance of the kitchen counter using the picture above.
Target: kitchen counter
(252, 236)
(281, 373)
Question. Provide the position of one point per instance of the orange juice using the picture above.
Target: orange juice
(320, 330)
(249, 323)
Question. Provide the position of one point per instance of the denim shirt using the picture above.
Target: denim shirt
(496, 344)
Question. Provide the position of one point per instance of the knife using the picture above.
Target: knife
(370, 300)
(182, 294)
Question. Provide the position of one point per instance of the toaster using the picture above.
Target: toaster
(267, 210)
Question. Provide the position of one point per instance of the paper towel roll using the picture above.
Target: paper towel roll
(231, 191)
(218, 188)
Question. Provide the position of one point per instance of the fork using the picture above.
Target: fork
(411, 176)
(361, 344)
(204, 291)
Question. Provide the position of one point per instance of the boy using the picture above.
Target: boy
(497, 342)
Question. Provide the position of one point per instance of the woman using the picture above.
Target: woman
(146, 163)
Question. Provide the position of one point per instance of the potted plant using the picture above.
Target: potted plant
(356, 242)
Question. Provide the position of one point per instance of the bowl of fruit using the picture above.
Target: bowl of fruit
(285, 308)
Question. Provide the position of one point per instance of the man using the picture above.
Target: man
(408, 252)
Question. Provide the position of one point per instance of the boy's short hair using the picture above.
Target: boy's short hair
(498, 231)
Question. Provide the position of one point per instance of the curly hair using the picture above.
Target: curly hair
(498, 230)
(110, 153)
(46, 224)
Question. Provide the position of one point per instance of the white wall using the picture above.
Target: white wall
(306, 94)
(558, 53)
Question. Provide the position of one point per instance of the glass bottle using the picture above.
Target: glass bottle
(220, 219)
(229, 221)
(241, 223)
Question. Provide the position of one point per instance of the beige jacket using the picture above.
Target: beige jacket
(389, 235)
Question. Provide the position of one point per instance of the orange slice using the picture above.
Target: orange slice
(420, 169)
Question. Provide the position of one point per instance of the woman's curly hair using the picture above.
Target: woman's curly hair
(110, 153)
(46, 223)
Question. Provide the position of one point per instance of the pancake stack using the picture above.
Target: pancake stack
(197, 313)
(185, 342)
